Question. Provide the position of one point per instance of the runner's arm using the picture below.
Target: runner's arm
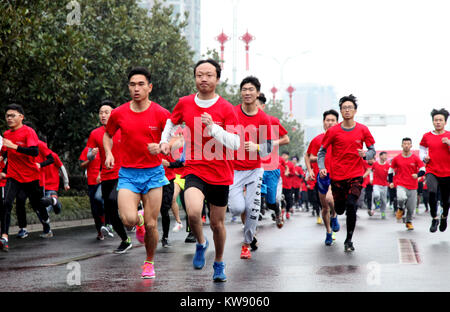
(167, 132)
(230, 140)
(50, 160)
(321, 158)
(370, 154)
(423, 152)
(64, 176)
(391, 175)
(30, 151)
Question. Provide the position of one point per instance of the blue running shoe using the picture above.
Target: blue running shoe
(199, 257)
(23, 233)
(219, 275)
(335, 225)
(329, 239)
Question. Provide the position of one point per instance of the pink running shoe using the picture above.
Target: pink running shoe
(140, 229)
(148, 271)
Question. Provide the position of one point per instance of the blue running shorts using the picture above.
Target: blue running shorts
(141, 181)
(323, 184)
(270, 179)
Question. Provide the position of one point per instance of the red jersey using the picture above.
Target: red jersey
(251, 128)
(138, 130)
(439, 153)
(296, 180)
(51, 173)
(288, 179)
(96, 140)
(21, 167)
(404, 168)
(380, 173)
(93, 167)
(313, 149)
(366, 180)
(269, 162)
(206, 157)
(44, 151)
(281, 165)
(2, 181)
(345, 160)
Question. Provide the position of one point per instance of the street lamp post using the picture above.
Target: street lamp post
(247, 38)
(290, 90)
(222, 38)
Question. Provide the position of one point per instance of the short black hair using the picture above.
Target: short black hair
(331, 112)
(253, 80)
(442, 111)
(140, 71)
(15, 107)
(382, 153)
(262, 98)
(406, 139)
(348, 98)
(107, 102)
(285, 152)
(212, 62)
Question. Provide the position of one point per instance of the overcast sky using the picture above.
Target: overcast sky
(394, 56)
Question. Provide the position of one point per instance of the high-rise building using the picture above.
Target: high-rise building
(192, 31)
(309, 101)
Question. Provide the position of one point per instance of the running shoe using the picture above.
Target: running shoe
(377, 204)
(204, 219)
(219, 274)
(335, 224)
(100, 236)
(274, 218)
(280, 222)
(417, 210)
(370, 212)
(23, 233)
(254, 244)
(333, 235)
(319, 220)
(434, 225)
(46, 234)
(190, 238)
(107, 231)
(288, 215)
(409, 226)
(148, 270)
(348, 247)
(165, 242)
(399, 214)
(443, 224)
(177, 227)
(383, 215)
(124, 246)
(199, 257)
(245, 253)
(140, 228)
(4, 244)
(329, 239)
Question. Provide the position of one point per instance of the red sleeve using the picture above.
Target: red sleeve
(266, 122)
(91, 141)
(112, 126)
(83, 156)
(43, 149)
(419, 163)
(58, 162)
(164, 116)
(32, 138)
(177, 114)
(328, 138)
(424, 142)
(368, 138)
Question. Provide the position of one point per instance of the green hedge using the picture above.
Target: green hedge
(73, 208)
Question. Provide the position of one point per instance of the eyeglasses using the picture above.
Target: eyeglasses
(12, 115)
(347, 108)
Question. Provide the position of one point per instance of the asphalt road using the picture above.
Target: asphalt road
(388, 258)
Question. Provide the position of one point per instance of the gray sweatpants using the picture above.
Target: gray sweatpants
(407, 198)
(250, 201)
(380, 194)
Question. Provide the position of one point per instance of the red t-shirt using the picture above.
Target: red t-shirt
(345, 160)
(380, 173)
(366, 180)
(296, 180)
(251, 128)
(439, 153)
(2, 181)
(93, 167)
(270, 162)
(51, 173)
(21, 167)
(288, 179)
(313, 149)
(44, 151)
(205, 156)
(404, 168)
(281, 165)
(96, 140)
(138, 130)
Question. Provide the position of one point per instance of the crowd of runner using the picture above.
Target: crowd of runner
(211, 158)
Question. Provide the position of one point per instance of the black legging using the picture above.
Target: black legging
(166, 204)
(109, 194)
(288, 198)
(443, 184)
(368, 196)
(33, 191)
(21, 213)
(96, 207)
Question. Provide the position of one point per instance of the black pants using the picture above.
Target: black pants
(305, 199)
(96, 207)
(34, 193)
(109, 194)
(393, 197)
(313, 197)
(21, 213)
(288, 198)
(443, 184)
(368, 196)
(166, 204)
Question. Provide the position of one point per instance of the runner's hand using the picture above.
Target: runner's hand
(391, 185)
(426, 160)
(250, 146)
(109, 161)
(361, 153)
(446, 141)
(165, 148)
(414, 175)
(165, 163)
(154, 148)
(323, 173)
(311, 175)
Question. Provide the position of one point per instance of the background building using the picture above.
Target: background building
(192, 31)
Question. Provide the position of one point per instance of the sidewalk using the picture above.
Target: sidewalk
(54, 225)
